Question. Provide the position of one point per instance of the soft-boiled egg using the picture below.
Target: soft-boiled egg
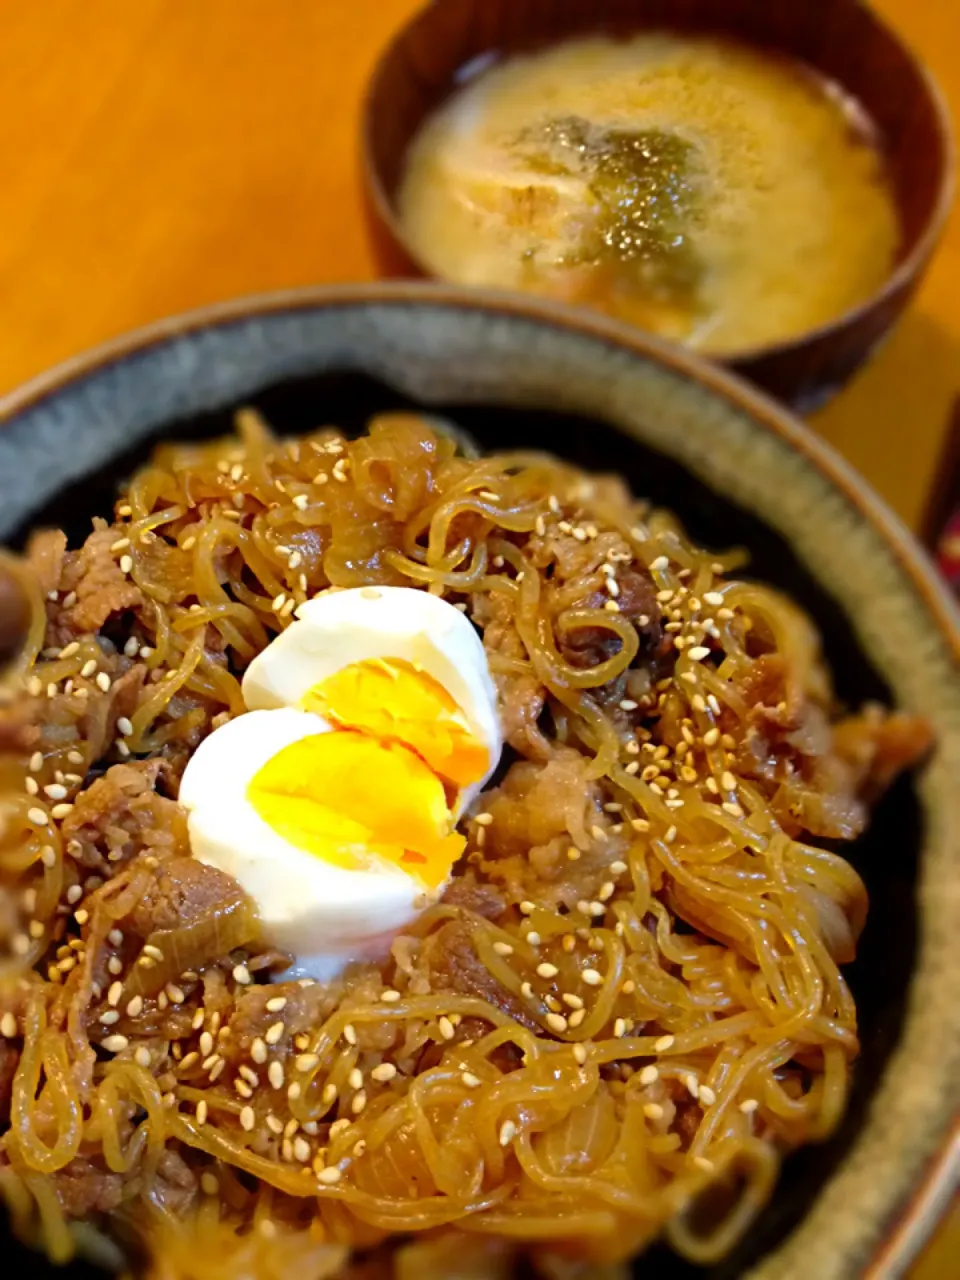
(334, 800)
(394, 662)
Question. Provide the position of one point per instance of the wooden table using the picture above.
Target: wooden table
(160, 155)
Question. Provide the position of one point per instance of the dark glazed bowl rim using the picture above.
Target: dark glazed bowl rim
(903, 1234)
(904, 273)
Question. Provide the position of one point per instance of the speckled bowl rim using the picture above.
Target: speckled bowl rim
(894, 1229)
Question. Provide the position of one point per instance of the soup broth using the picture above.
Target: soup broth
(701, 189)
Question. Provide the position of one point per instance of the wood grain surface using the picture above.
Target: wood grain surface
(159, 155)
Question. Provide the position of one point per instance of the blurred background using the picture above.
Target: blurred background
(161, 156)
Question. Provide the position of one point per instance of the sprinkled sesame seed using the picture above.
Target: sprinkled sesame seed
(533, 938)
(546, 970)
(389, 996)
(115, 937)
(592, 977)
(526, 908)
(8, 1026)
(329, 1177)
(247, 1119)
(576, 1017)
(571, 1001)
(384, 1072)
(653, 1111)
(276, 1004)
(355, 1078)
(61, 811)
(661, 562)
(470, 1080)
(703, 1163)
(664, 1043)
(275, 1075)
(556, 1022)
(728, 781)
(707, 1096)
(115, 1044)
(649, 1075)
(580, 1053)
(611, 606)
(670, 835)
(274, 1033)
(503, 948)
(359, 1102)
(446, 1027)
(349, 1034)
(749, 1105)
(114, 994)
(74, 894)
(733, 809)
(508, 1131)
(37, 816)
(307, 1061)
(620, 1028)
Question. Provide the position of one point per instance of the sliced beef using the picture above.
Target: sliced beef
(83, 1188)
(455, 966)
(184, 892)
(121, 815)
(94, 575)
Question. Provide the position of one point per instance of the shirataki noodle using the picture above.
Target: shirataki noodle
(630, 993)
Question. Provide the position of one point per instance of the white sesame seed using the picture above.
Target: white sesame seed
(547, 970)
(329, 1177)
(556, 1022)
(611, 606)
(384, 1072)
(37, 816)
(446, 1027)
(274, 1033)
(114, 994)
(61, 811)
(703, 1163)
(8, 1026)
(649, 1075)
(470, 1080)
(749, 1105)
(349, 1034)
(592, 977)
(660, 563)
(707, 1096)
(48, 856)
(277, 1004)
(483, 819)
(670, 835)
(580, 1053)
(508, 1131)
(53, 790)
(142, 1057)
(533, 938)
(653, 1111)
(698, 652)
(74, 894)
(115, 1044)
(620, 1028)
(275, 1075)
(134, 1006)
(733, 809)
(355, 1078)
(526, 908)
(503, 948)
(359, 1102)
(247, 1118)
(664, 1043)
(389, 996)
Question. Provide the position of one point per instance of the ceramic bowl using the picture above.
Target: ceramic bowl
(516, 372)
(844, 40)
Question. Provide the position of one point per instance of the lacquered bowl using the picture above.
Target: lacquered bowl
(740, 471)
(843, 40)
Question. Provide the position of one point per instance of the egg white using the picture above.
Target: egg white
(324, 915)
(338, 628)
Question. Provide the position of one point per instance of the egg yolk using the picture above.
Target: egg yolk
(344, 796)
(395, 702)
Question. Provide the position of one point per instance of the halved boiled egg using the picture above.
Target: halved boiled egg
(339, 838)
(395, 662)
(334, 800)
